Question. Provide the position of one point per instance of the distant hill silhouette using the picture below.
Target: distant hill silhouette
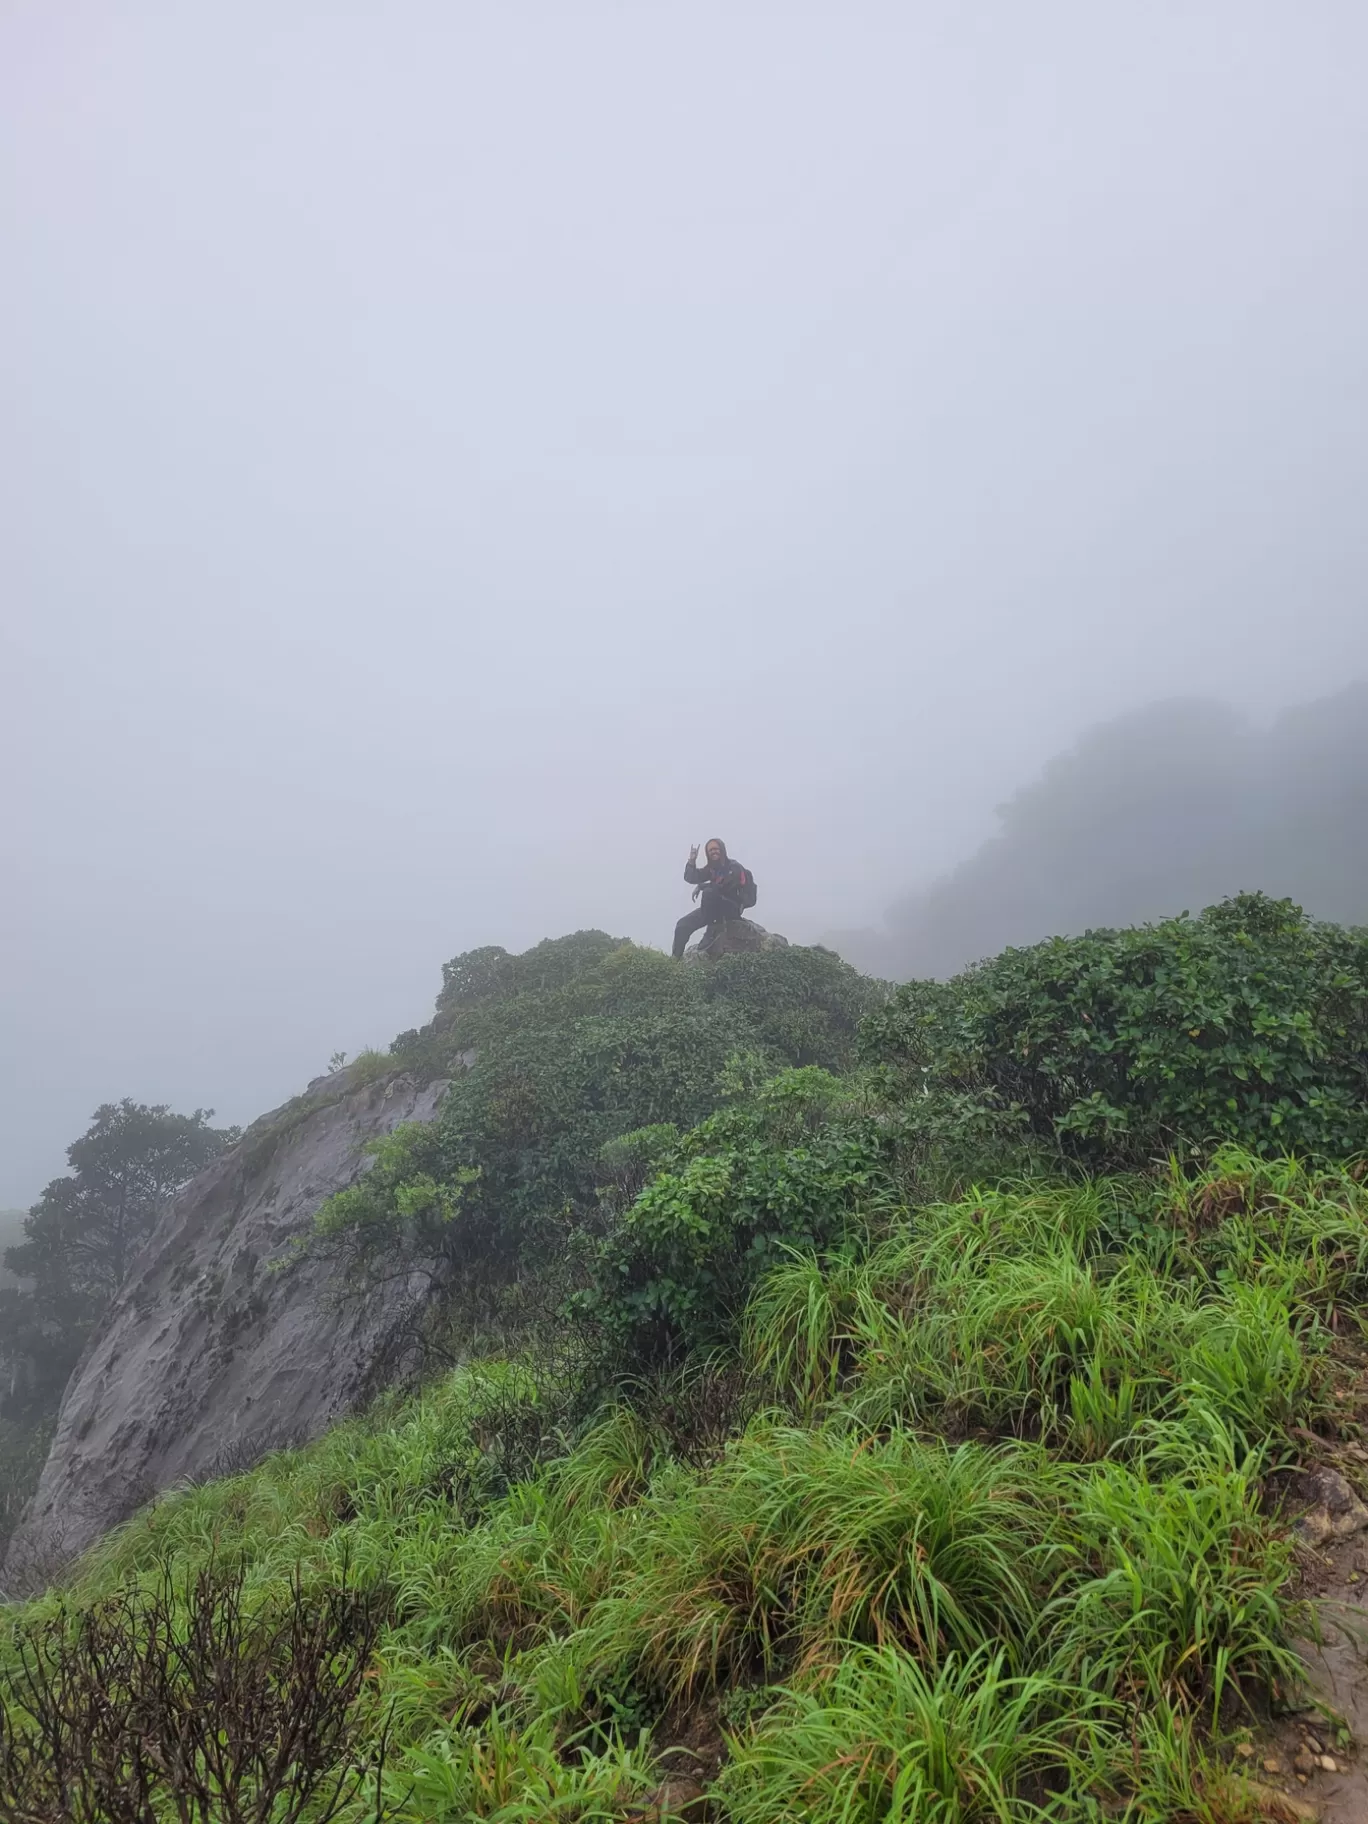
(1167, 809)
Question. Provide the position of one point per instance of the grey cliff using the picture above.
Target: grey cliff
(214, 1351)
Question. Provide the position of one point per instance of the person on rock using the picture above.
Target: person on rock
(722, 887)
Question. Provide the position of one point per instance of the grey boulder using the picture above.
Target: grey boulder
(734, 937)
(224, 1342)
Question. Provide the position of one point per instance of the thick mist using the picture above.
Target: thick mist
(1165, 810)
(453, 458)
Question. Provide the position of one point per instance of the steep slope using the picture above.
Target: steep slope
(935, 1437)
(213, 1351)
(225, 1342)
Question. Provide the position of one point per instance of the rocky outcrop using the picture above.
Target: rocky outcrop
(1334, 1511)
(223, 1344)
(734, 937)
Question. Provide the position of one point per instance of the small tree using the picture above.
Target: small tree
(80, 1239)
(82, 1234)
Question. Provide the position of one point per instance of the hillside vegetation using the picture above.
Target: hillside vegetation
(879, 1412)
(11, 1232)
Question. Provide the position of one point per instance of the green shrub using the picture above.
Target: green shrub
(737, 1195)
(1248, 1023)
(805, 1005)
(369, 1066)
(558, 1054)
(482, 977)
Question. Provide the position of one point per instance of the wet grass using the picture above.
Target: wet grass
(994, 1547)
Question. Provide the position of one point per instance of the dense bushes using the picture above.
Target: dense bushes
(804, 1005)
(558, 1053)
(792, 1169)
(485, 977)
(889, 1460)
(619, 1119)
(1248, 1023)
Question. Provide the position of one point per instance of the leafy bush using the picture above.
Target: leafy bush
(369, 1066)
(481, 977)
(804, 1005)
(734, 1197)
(400, 1196)
(1248, 1023)
(559, 1053)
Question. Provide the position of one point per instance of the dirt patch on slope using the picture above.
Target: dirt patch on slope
(1317, 1756)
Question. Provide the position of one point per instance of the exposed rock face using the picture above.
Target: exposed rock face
(1335, 1511)
(211, 1354)
(734, 937)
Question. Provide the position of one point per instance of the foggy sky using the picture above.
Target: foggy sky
(454, 456)
(1163, 810)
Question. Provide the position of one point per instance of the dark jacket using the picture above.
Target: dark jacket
(726, 875)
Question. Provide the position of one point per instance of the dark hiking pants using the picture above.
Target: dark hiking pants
(713, 907)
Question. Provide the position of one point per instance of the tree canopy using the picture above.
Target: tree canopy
(79, 1241)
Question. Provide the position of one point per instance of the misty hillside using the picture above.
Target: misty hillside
(904, 1362)
(537, 1063)
(455, 465)
(837, 1404)
(1172, 807)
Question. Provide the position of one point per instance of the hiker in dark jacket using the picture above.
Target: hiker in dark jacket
(720, 887)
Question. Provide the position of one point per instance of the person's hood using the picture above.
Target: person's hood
(721, 845)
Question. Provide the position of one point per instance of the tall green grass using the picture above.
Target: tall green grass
(996, 1548)
(884, 1739)
(1038, 1316)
